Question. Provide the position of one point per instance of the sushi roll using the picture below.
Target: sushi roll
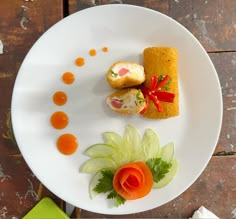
(125, 74)
(126, 101)
(161, 86)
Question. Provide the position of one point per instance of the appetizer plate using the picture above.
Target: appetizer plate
(126, 30)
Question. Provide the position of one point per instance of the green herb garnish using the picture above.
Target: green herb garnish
(159, 168)
(140, 99)
(113, 74)
(166, 87)
(105, 185)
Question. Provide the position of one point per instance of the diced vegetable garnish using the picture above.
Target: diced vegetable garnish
(123, 71)
(116, 103)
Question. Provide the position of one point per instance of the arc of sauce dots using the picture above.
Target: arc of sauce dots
(67, 143)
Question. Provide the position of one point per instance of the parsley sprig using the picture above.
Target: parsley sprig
(140, 99)
(113, 74)
(159, 168)
(105, 185)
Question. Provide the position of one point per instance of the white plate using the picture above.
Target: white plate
(126, 30)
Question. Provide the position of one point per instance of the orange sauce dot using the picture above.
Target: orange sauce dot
(68, 78)
(80, 61)
(67, 144)
(92, 52)
(105, 49)
(59, 120)
(59, 98)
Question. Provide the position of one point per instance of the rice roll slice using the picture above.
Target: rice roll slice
(161, 62)
(126, 101)
(125, 74)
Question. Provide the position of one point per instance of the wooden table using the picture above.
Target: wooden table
(213, 22)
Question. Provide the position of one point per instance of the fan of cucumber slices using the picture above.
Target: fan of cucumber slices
(107, 157)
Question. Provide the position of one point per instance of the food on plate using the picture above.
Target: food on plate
(67, 144)
(133, 180)
(160, 88)
(127, 167)
(92, 52)
(125, 74)
(59, 120)
(105, 49)
(79, 61)
(59, 98)
(68, 78)
(126, 101)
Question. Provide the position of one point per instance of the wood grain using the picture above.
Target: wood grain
(20, 189)
(225, 64)
(212, 22)
(22, 23)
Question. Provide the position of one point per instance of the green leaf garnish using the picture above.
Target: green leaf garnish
(166, 87)
(118, 200)
(105, 183)
(140, 99)
(113, 74)
(159, 168)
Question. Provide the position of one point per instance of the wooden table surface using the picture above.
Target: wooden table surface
(213, 22)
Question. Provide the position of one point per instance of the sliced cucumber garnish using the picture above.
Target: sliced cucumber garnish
(104, 150)
(93, 183)
(169, 176)
(167, 152)
(115, 140)
(95, 164)
(151, 144)
(133, 142)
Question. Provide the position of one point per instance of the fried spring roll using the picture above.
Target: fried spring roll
(126, 101)
(159, 61)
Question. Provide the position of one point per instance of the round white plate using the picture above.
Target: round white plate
(126, 31)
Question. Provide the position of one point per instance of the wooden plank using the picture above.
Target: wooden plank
(212, 22)
(225, 64)
(159, 5)
(215, 189)
(22, 23)
(20, 189)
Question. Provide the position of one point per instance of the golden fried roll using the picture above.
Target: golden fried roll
(159, 62)
(125, 74)
(126, 101)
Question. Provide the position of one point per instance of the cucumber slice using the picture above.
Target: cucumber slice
(151, 144)
(104, 150)
(169, 176)
(95, 164)
(167, 152)
(115, 140)
(93, 183)
(133, 141)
